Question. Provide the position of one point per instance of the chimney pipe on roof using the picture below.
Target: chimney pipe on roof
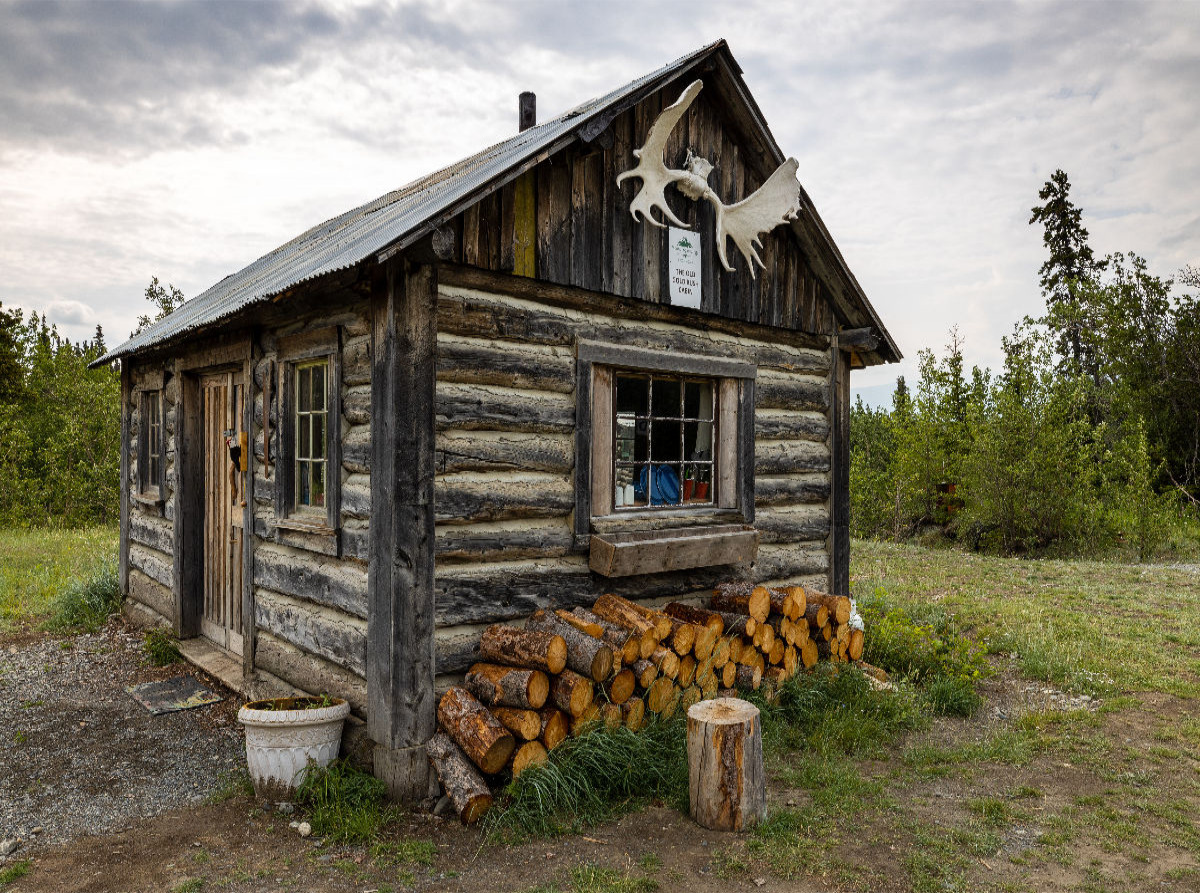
(527, 111)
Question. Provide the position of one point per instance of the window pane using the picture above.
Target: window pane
(625, 433)
(303, 484)
(666, 397)
(304, 388)
(318, 436)
(697, 440)
(632, 394)
(304, 437)
(697, 400)
(318, 387)
(318, 483)
(665, 445)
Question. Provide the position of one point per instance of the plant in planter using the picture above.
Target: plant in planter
(284, 736)
(701, 490)
(689, 484)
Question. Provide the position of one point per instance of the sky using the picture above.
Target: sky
(184, 140)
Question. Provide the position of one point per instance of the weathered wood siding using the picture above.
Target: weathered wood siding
(505, 488)
(310, 589)
(151, 524)
(581, 233)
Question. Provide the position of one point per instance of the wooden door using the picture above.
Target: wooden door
(221, 410)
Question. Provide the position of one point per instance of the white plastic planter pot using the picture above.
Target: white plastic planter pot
(284, 737)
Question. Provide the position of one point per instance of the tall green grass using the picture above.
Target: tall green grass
(37, 565)
(85, 604)
(345, 804)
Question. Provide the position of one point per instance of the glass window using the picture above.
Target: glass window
(662, 441)
(152, 447)
(311, 422)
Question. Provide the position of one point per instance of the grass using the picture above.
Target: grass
(15, 871)
(345, 804)
(160, 648)
(37, 565)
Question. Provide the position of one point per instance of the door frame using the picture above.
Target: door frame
(227, 355)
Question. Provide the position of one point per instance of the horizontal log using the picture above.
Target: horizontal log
(551, 315)
(330, 634)
(356, 362)
(310, 672)
(792, 524)
(504, 540)
(318, 543)
(151, 593)
(356, 405)
(779, 390)
(356, 497)
(790, 457)
(791, 489)
(456, 648)
(470, 496)
(777, 424)
(341, 585)
(485, 361)
(151, 530)
(782, 562)
(492, 407)
(507, 590)
(356, 450)
(356, 540)
(472, 450)
(154, 564)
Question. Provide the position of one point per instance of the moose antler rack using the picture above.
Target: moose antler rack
(776, 202)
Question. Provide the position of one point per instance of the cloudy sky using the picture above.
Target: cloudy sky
(184, 140)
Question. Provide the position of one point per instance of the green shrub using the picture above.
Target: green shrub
(159, 646)
(952, 696)
(345, 804)
(592, 778)
(900, 644)
(85, 605)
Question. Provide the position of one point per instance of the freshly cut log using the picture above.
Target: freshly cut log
(586, 655)
(662, 623)
(481, 736)
(625, 614)
(615, 635)
(749, 677)
(544, 651)
(689, 696)
(825, 633)
(463, 784)
(841, 632)
(571, 692)
(748, 657)
(667, 661)
(837, 605)
(729, 675)
(644, 672)
(780, 601)
(720, 653)
(710, 686)
(766, 641)
(777, 650)
(687, 671)
(617, 644)
(610, 715)
(736, 646)
(791, 660)
(738, 624)
(816, 615)
(706, 641)
(525, 724)
(556, 725)
(699, 616)
(776, 676)
(825, 649)
(497, 685)
(585, 719)
(672, 705)
(660, 692)
(799, 602)
(743, 599)
(681, 638)
(633, 712)
(704, 669)
(620, 688)
(531, 753)
(809, 654)
(727, 785)
(855, 649)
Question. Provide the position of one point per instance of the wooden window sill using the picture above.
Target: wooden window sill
(147, 499)
(300, 525)
(632, 553)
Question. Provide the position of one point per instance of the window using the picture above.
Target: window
(312, 414)
(151, 447)
(663, 441)
(662, 432)
(308, 473)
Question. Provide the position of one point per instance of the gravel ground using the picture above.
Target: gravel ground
(79, 756)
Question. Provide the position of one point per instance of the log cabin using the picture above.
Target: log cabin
(494, 390)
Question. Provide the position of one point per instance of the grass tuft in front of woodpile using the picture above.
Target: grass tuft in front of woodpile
(594, 778)
(160, 648)
(86, 603)
(345, 804)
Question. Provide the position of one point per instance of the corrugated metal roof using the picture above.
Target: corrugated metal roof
(353, 237)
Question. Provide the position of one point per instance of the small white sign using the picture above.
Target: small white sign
(684, 270)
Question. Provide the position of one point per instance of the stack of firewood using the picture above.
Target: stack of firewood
(567, 669)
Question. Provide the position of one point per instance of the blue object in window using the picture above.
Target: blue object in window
(664, 487)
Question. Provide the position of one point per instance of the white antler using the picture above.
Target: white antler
(654, 174)
(776, 201)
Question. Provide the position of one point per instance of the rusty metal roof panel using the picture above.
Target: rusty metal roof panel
(388, 221)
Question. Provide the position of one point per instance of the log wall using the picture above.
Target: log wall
(505, 488)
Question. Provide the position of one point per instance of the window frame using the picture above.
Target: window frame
(733, 449)
(151, 488)
(294, 352)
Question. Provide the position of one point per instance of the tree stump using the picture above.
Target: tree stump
(727, 786)
(464, 785)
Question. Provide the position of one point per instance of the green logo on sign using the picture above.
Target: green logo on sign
(684, 243)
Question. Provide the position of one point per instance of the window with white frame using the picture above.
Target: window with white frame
(152, 446)
(310, 463)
